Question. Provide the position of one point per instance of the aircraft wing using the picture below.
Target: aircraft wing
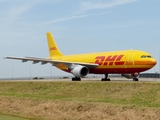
(53, 62)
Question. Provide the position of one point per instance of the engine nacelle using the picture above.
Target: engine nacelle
(80, 71)
(130, 76)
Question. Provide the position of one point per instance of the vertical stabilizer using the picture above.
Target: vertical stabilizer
(52, 47)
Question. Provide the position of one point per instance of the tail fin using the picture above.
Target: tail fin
(52, 47)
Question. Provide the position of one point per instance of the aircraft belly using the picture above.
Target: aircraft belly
(116, 70)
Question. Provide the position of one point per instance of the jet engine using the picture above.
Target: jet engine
(80, 71)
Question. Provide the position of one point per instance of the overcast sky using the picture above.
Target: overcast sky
(78, 26)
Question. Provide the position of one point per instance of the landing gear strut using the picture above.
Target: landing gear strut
(135, 76)
(105, 78)
(76, 79)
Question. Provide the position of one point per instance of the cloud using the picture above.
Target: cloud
(16, 12)
(85, 6)
(17, 9)
(65, 19)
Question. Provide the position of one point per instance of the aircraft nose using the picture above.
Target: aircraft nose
(153, 62)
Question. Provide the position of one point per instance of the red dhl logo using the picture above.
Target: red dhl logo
(109, 60)
(52, 48)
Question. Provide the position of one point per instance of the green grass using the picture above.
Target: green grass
(4, 117)
(133, 94)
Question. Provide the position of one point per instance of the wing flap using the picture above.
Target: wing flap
(34, 62)
(24, 60)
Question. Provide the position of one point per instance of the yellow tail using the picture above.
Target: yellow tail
(52, 47)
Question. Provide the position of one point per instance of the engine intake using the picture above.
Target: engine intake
(80, 71)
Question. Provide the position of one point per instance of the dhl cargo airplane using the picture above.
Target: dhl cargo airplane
(128, 63)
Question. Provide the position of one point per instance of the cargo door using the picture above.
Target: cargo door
(129, 60)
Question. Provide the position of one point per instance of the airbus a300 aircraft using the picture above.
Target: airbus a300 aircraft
(128, 63)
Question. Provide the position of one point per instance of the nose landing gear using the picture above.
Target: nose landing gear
(105, 78)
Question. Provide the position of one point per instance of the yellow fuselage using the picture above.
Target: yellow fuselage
(127, 61)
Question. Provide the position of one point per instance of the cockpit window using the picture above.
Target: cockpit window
(143, 56)
(146, 56)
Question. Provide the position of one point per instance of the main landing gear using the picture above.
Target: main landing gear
(76, 79)
(105, 78)
(135, 79)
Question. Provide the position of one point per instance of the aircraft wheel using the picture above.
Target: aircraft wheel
(108, 79)
(105, 79)
(73, 79)
(135, 79)
(102, 79)
(76, 79)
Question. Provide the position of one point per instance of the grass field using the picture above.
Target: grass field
(81, 100)
(4, 117)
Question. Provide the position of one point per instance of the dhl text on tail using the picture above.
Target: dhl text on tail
(128, 63)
